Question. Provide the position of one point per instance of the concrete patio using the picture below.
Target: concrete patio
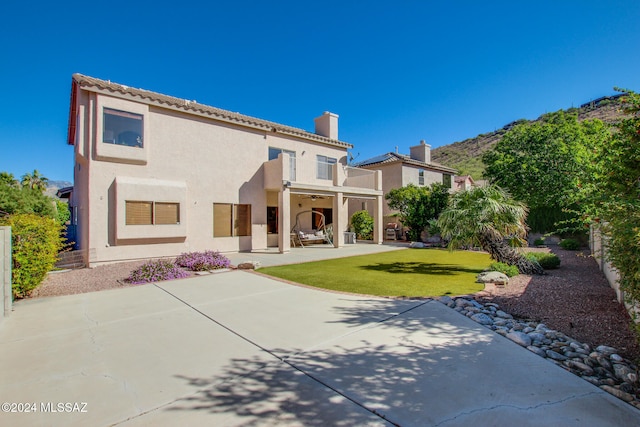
(239, 349)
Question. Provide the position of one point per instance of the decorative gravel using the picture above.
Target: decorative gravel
(575, 299)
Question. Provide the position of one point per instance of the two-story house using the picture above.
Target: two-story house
(399, 170)
(155, 176)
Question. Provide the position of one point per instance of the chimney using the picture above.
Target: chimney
(421, 152)
(327, 125)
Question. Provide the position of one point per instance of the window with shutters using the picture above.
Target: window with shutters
(167, 213)
(151, 213)
(242, 220)
(139, 213)
(231, 220)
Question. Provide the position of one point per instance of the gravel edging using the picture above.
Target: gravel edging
(601, 366)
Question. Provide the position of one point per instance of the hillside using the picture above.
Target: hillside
(466, 156)
(54, 186)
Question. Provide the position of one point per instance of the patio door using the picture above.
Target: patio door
(328, 217)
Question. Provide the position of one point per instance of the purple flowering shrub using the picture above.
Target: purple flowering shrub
(203, 261)
(155, 271)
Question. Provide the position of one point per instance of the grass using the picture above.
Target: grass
(406, 273)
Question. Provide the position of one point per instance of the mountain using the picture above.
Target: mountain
(54, 186)
(466, 156)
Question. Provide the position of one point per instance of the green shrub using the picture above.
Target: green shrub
(546, 260)
(36, 241)
(501, 267)
(570, 244)
(538, 242)
(362, 224)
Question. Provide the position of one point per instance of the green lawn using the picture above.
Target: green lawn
(408, 273)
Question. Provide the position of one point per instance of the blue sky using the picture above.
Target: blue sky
(395, 73)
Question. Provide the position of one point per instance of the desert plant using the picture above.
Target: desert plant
(36, 241)
(155, 271)
(570, 244)
(203, 261)
(538, 242)
(501, 267)
(485, 217)
(362, 224)
(546, 260)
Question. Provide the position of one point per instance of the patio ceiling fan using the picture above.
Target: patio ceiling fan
(314, 197)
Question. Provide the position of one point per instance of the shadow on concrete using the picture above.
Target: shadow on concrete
(395, 376)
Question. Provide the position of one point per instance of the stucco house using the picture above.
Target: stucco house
(399, 170)
(155, 176)
(464, 182)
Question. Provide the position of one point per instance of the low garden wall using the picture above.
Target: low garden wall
(5, 272)
(598, 245)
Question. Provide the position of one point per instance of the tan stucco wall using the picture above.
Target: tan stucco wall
(185, 158)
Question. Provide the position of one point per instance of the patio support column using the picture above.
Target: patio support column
(340, 219)
(378, 230)
(284, 220)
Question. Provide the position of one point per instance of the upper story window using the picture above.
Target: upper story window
(273, 154)
(122, 128)
(446, 180)
(421, 177)
(325, 167)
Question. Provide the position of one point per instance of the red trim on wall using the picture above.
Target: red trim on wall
(73, 116)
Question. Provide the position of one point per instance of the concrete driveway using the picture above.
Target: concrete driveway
(238, 349)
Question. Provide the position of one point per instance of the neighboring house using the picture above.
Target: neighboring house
(156, 176)
(399, 170)
(464, 182)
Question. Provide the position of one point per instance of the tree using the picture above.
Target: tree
(15, 198)
(35, 181)
(485, 217)
(7, 178)
(611, 192)
(416, 206)
(540, 163)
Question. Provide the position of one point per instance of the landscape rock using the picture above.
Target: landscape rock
(482, 318)
(627, 397)
(606, 350)
(249, 265)
(520, 338)
(493, 277)
(603, 367)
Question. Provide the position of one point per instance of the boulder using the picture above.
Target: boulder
(249, 265)
(493, 277)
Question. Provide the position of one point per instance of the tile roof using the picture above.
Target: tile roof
(389, 158)
(193, 107)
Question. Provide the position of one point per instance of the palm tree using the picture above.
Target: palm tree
(486, 217)
(7, 178)
(34, 181)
